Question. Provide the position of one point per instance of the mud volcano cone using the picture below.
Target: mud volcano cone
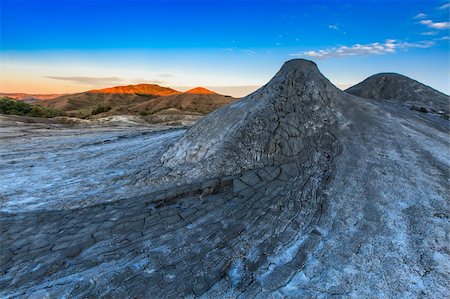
(289, 120)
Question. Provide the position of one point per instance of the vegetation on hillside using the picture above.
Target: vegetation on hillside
(10, 106)
(100, 109)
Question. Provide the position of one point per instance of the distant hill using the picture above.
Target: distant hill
(82, 104)
(404, 90)
(144, 89)
(143, 99)
(29, 97)
(200, 90)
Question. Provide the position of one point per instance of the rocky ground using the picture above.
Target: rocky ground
(298, 190)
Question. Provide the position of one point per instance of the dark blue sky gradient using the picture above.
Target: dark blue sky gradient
(101, 24)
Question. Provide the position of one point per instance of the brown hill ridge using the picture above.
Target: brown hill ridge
(147, 89)
(185, 102)
(83, 103)
(143, 99)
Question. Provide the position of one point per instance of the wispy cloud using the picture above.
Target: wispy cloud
(445, 6)
(157, 82)
(88, 80)
(388, 47)
(333, 27)
(435, 25)
(429, 33)
(166, 75)
(443, 38)
(237, 50)
(249, 52)
(144, 81)
(420, 16)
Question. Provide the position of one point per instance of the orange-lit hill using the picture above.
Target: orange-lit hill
(200, 90)
(147, 89)
(143, 99)
(113, 97)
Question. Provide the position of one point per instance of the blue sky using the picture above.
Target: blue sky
(233, 46)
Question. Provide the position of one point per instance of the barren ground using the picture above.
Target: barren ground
(59, 165)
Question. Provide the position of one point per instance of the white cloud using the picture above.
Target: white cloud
(388, 47)
(420, 16)
(445, 6)
(437, 25)
(334, 27)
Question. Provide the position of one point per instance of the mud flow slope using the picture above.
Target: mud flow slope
(403, 90)
(298, 190)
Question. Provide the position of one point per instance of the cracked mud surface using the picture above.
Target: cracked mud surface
(298, 190)
(58, 166)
